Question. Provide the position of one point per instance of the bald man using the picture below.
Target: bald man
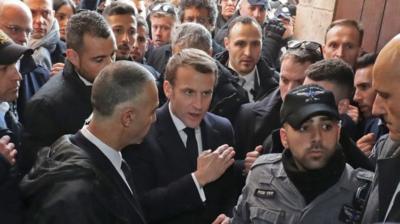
(16, 22)
(384, 201)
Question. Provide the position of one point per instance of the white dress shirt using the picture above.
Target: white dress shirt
(247, 80)
(4, 107)
(85, 81)
(113, 155)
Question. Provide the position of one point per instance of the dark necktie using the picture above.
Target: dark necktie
(129, 178)
(191, 145)
(128, 175)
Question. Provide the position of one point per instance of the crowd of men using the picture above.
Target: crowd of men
(193, 111)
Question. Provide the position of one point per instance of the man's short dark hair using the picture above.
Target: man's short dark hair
(335, 71)
(209, 5)
(243, 20)
(366, 60)
(118, 8)
(142, 22)
(195, 58)
(301, 56)
(349, 23)
(86, 22)
(117, 83)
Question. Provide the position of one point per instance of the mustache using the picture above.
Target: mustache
(123, 46)
(317, 146)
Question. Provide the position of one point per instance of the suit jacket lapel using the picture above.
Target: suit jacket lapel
(209, 134)
(170, 141)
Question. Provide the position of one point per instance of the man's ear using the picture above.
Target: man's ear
(167, 88)
(323, 50)
(128, 116)
(283, 135)
(210, 51)
(226, 43)
(73, 57)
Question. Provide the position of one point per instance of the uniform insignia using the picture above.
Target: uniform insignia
(262, 193)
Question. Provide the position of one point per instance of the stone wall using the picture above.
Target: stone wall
(313, 17)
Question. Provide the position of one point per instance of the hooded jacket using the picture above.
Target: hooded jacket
(67, 185)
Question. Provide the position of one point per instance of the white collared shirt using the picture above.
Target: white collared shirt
(113, 155)
(4, 107)
(85, 81)
(179, 125)
(247, 80)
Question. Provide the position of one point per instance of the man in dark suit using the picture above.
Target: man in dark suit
(243, 57)
(82, 178)
(182, 169)
(16, 22)
(63, 103)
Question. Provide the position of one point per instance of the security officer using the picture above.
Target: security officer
(309, 182)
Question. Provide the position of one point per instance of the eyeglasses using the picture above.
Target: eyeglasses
(14, 30)
(164, 7)
(312, 46)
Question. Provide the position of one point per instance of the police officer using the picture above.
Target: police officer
(309, 182)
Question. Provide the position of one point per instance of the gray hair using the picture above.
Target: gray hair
(195, 58)
(191, 35)
(118, 83)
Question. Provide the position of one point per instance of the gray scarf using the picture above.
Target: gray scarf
(45, 46)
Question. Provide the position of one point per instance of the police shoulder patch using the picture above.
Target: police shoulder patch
(268, 159)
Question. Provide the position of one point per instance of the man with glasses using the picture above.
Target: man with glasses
(16, 22)
(256, 121)
(10, 203)
(310, 181)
